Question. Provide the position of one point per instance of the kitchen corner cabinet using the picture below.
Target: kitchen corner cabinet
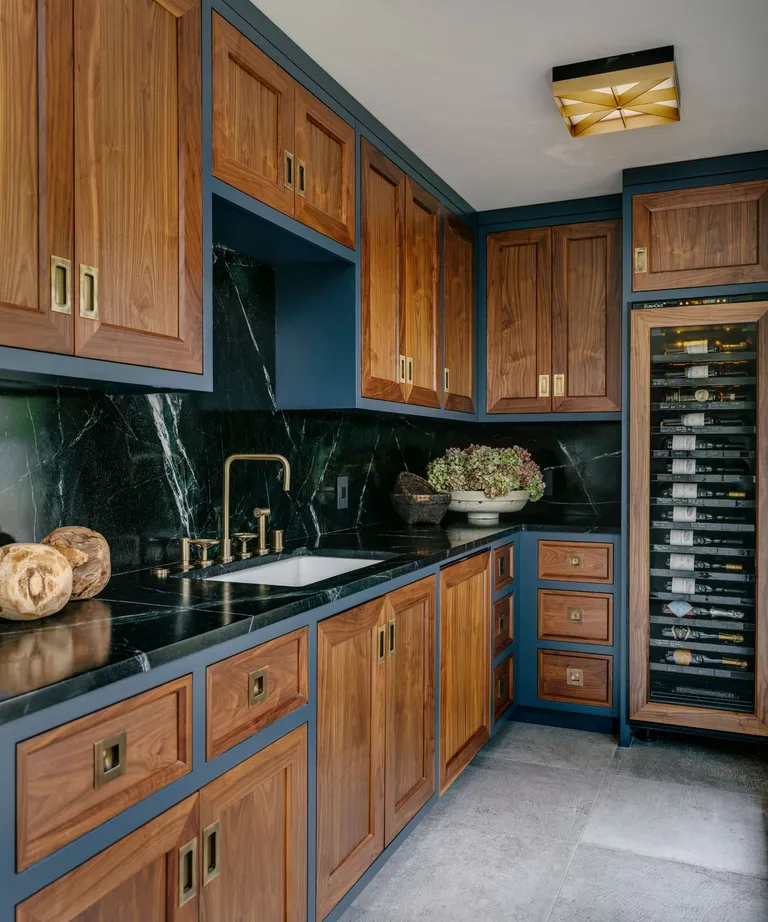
(375, 731)
(278, 143)
(101, 177)
(714, 235)
(553, 306)
(459, 283)
(401, 316)
(465, 624)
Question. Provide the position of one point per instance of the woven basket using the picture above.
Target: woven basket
(417, 502)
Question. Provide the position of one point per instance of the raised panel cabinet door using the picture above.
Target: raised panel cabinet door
(715, 235)
(325, 169)
(410, 759)
(518, 321)
(465, 681)
(586, 317)
(422, 296)
(36, 175)
(138, 183)
(351, 686)
(382, 305)
(253, 126)
(151, 875)
(459, 276)
(253, 823)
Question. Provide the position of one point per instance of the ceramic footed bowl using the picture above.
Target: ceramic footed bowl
(483, 511)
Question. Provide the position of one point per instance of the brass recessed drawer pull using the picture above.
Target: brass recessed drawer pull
(109, 758)
(558, 383)
(499, 688)
(89, 292)
(574, 561)
(61, 285)
(392, 637)
(402, 369)
(289, 170)
(188, 872)
(302, 190)
(574, 677)
(447, 380)
(543, 385)
(258, 686)
(381, 632)
(211, 852)
(641, 259)
(576, 615)
(410, 370)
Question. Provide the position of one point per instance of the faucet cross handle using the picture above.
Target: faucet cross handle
(244, 537)
(204, 544)
(261, 514)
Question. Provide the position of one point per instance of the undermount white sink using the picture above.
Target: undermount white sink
(294, 571)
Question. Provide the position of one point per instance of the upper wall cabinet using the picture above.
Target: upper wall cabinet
(459, 282)
(554, 319)
(100, 179)
(276, 142)
(685, 238)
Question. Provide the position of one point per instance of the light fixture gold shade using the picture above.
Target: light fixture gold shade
(638, 91)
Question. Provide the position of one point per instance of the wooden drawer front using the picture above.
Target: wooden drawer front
(582, 617)
(580, 561)
(253, 689)
(61, 791)
(581, 678)
(503, 566)
(503, 623)
(503, 676)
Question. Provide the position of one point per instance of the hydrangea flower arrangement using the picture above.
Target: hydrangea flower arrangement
(495, 471)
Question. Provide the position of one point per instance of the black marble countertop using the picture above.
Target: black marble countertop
(142, 620)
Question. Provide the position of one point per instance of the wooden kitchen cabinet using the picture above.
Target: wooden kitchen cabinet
(275, 141)
(375, 731)
(151, 874)
(554, 319)
(712, 235)
(253, 826)
(465, 623)
(459, 282)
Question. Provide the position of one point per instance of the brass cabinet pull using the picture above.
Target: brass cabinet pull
(109, 758)
(641, 259)
(445, 384)
(302, 190)
(558, 383)
(61, 285)
(89, 292)
(258, 685)
(211, 852)
(543, 385)
(188, 872)
(410, 370)
(289, 170)
(574, 677)
(402, 369)
(381, 631)
(499, 688)
(502, 562)
(501, 624)
(392, 637)
(574, 561)
(575, 615)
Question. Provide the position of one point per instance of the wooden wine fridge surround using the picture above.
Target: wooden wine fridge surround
(71, 779)
(640, 708)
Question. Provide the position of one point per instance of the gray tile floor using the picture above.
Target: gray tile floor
(552, 825)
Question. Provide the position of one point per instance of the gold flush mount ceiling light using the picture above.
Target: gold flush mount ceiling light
(625, 91)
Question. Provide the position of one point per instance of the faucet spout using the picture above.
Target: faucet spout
(226, 541)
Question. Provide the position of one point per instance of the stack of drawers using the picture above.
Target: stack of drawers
(503, 629)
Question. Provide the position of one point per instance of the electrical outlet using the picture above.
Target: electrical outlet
(342, 492)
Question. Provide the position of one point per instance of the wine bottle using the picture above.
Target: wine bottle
(704, 419)
(697, 491)
(700, 395)
(725, 370)
(694, 514)
(688, 538)
(694, 443)
(703, 346)
(692, 562)
(682, 609)
(689, 658)
(694, 466)
(685, 585)
(683, 632)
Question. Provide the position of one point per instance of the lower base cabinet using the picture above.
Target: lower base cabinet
(236, 850)
(375, 731)
(465, 638)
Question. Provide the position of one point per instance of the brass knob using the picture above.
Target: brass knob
(244, 537)
(204, 544)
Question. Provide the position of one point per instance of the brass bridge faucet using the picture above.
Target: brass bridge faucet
(226, 541)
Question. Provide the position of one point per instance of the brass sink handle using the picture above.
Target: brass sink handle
(244, 537)
(204, 544)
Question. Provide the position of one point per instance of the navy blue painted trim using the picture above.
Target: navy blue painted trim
(550, 417)
(595, 723)
(706, 168)
(595, 208)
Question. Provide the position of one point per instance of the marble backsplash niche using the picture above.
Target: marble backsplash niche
(143, 469)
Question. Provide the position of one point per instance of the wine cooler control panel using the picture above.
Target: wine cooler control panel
(702, 516)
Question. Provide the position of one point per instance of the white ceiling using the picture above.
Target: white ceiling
(466, 83)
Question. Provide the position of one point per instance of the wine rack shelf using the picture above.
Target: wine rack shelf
(702, 441)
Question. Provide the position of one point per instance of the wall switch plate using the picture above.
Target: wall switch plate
(342, 492)
(548, 486)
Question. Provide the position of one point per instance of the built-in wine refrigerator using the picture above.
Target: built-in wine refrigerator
(698, 514)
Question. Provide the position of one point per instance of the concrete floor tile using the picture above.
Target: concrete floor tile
(612, 886)
(553, 746)
(717, 829)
